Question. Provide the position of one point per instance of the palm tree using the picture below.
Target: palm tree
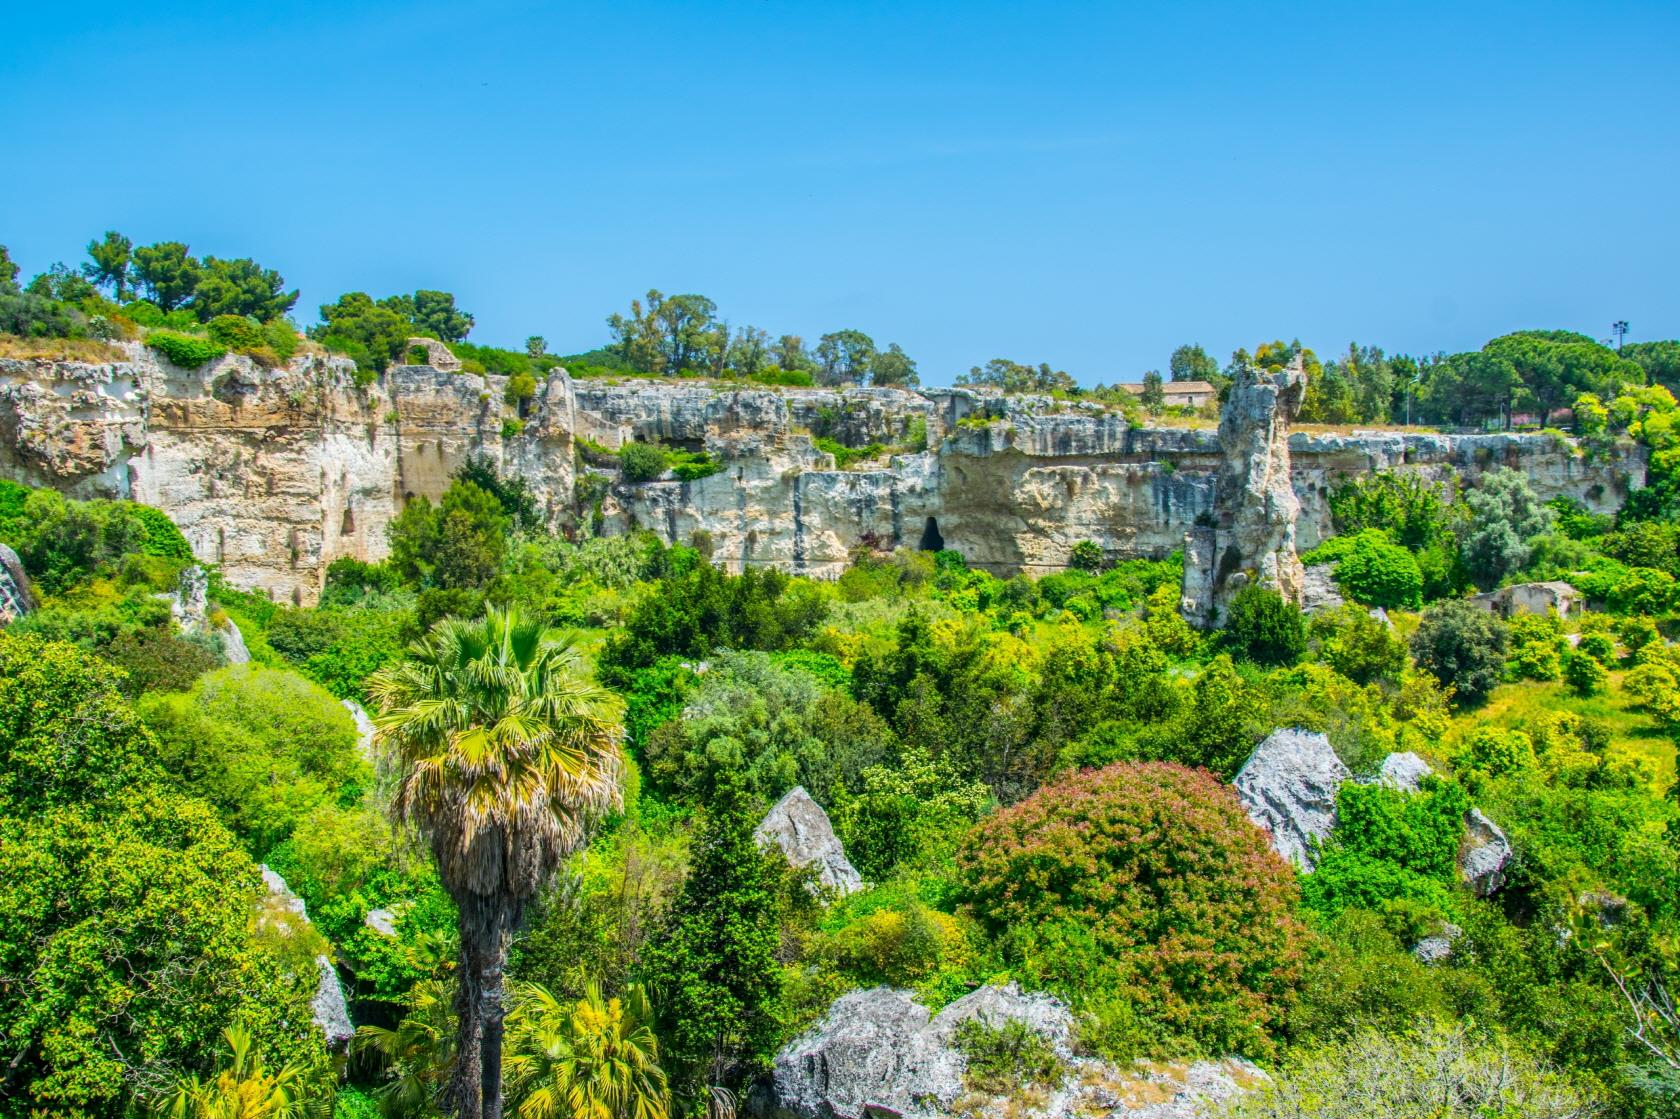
(590, 1059)
(243, 1089)
(417, 1055)
(505, 751)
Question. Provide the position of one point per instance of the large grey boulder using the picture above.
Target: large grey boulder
(1485, 854)
(872, 1051)
(1288, 787)
(1403, 771)
(877, 1054)
(798, 825)
(331, 1012)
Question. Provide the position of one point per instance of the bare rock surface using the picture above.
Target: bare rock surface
(1250, 537)
(16, 598)
(878, 1053)
(331, 1012)
(1404, 771)
(1485, 854)
(1434, 949)
(799, 826)
(1319, 590)
(872, 1050)
(274, 473)
(1288, 787)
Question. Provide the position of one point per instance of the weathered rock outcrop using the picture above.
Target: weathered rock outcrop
(1485, 854)
(799, 826)
(332, 1013)
(1250, 537)
(878, 1053)
(273, 474)
(1288, 787)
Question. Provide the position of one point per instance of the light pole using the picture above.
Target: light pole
(1619, 329)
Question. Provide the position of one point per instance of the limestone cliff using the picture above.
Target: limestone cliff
(272, 474)
(1251, 535)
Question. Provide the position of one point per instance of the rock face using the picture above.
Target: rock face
(16, 599)
(798, 825)
(878, 1053)
(1250, 537)
(274, 473)
(1485, 853)
(1319, 590)
(332, 1014)
(1288, 786)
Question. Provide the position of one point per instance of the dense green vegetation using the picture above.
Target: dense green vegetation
(1030, 773)
(542, 878)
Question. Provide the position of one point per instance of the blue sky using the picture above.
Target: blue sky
(1083, 184)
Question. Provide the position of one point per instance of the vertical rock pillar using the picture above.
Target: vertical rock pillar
(1250, 536)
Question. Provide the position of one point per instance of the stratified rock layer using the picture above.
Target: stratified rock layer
(1288, 787)
(273, 474)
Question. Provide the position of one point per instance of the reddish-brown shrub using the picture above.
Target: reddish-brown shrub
(1147, 882)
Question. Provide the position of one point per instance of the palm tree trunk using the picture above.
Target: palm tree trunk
(475, 1088)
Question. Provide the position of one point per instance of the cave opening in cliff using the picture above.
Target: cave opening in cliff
(931, 540)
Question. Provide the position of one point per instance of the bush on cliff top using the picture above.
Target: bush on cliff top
(1145, 879)
(183, 349)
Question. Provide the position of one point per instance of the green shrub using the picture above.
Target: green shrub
(161, 538)
(1005, 1058)
(1584, 673)
(1440, 1071)
(1390, 846)
(793, 378)
(1265, 629)
(237, 333)
(641, 462)
(692, 466)
(264, 746)
(1463, 648)
(1378, 573)
(1536, 660)
(1087, 555)
(1149, 878)
(1598, 646)
(184, 350)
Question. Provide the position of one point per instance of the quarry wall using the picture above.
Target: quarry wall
(272, 474)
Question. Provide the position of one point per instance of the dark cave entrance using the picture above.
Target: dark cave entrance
(931, 540)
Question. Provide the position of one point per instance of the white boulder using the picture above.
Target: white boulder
(1288, 787)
